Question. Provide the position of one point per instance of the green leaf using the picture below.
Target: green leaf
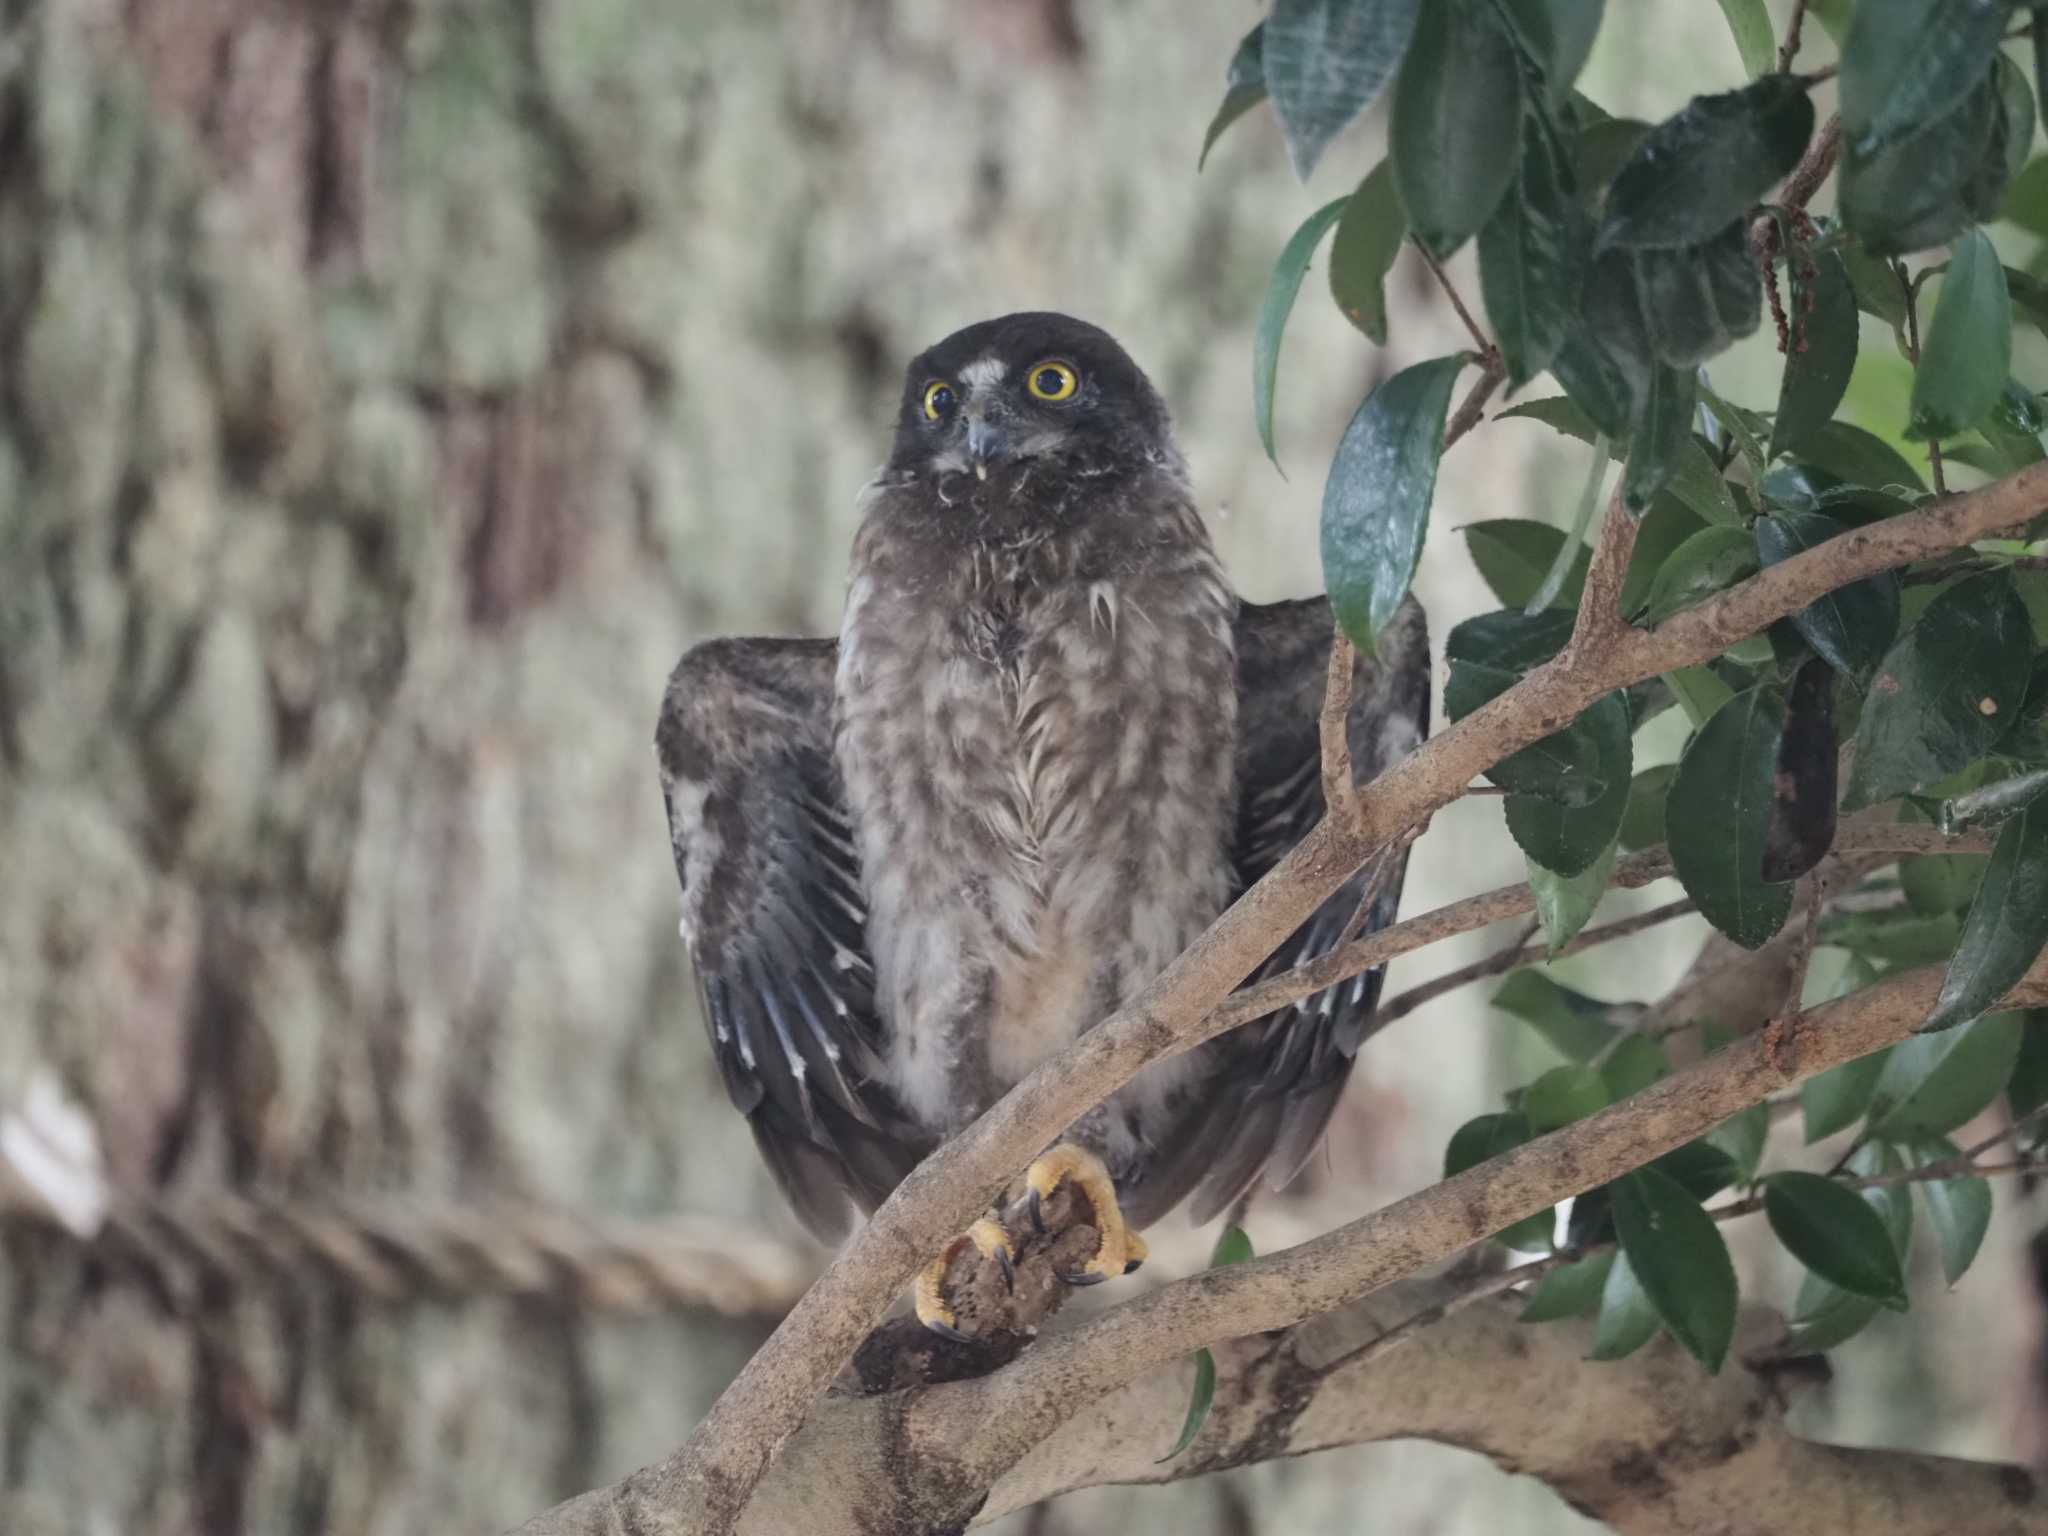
(1711, 561)
(1606, 360)
(1995, 801)
(1575, 766)
(1663, 437)
(2026, 200)
(1751, 24)
(1968, 350)
(1700, 170)
(1679, 1260)
(1278, 304)
(1875, 284)
(1233, 1246)
(1513, 553)
(1560, 570)
(1941, 882)
(2008, 922)
(1817, 374)
(1244, 87)
(1602, 149)
(1667, 525)
(1570, 839)
(1934, 1083)
(1745, 428)
(1376, 501)
(1699, 1168)
(1835, 1234)
(1560, 413)
(1836, 1099)
(2027, 1089)
(1562, 1095)
(1455, 128)
(1717, 847)
(1628, 1318)
(1892, 1202)
(1565, 902)
(1325, 61)
(1906, 63)
(1927, 188)
(1943, 692)
(1532, 259)
(1511, 640)
(1198, 1404)
(1570, 1290)
(1482, 1139)
(1559, 33)
(1700, 486)
(1576, 1026)
(2016, 104)
(1859, 457)
(1635, 1062)
(1700, 692)
(1958, 1209)
(1742, 1136)
(1803, 813)
(1642, 824)
(1892, 938)
(1853, 626)
(1826, 1315)
(1369, 236)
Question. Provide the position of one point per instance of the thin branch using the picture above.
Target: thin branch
(1493, 370)
(1789, 50)
(1912, 293)
(1518, 954)
(1999, 1138)
(1479, 337)
(1600, 617)
(704, 1485)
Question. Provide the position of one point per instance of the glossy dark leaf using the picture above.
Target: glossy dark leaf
(1376, 501)
(2008, 922)
(1325, 61)
(1274, 309)
(1853, 626)
(1558, 34)
(1606, 362)
(1707, 166)
(1859, 457)
(1745, 428)
(1994, 802)
(1663, 529)
(1570, 839)
(1642, 824)
(1680, 1261)
(1577, 1026)
(1927, 188)
(1836, 1234)
(1934, 1083)
(1562, 1095)
(1696, 482)
(1455, 129)
(1244, 87)
(1574, 766)
(1717, 847)
(1564, 903)
(1836, 1099)
(1570, 1290)
(1710, 561)
(1513, 553)
(1959, 1209)
(1967, 352)
(1699, 692)
(1369, 236)
(1944, 692)
(2026, 1090)
(1802, 825)
(1509, 640)
(1560, 413)
(1817, 373)
(1892, 1202)
(1533, 253)
(1697, 301)
(1628, 1318)
(1906, 63)
(1480, 1140)
(1663, 437)
(1742, 1136)
(1876, 286)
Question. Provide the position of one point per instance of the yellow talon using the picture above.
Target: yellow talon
(990, 1241)
(1120, 1250)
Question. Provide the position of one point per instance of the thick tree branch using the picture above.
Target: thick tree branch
(704, 1485)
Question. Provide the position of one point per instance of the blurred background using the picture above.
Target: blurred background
(390, 390)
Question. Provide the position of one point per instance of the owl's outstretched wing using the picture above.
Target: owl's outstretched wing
(776, 922)
(1289, 1067)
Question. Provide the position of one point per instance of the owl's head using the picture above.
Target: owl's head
(1023, 388)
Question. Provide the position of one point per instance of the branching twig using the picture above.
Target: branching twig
(1493, 370)
(1789, 50)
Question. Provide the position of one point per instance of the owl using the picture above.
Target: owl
(1047, 748)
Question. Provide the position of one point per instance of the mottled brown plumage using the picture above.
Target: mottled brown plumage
(1049, 746)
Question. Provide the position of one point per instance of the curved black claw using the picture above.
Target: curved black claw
(946, 1331)
(1037, 1216)
(1082, 1277)
(1009, 1269)
(1134, 1266)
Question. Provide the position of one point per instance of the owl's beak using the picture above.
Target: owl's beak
(986, 444)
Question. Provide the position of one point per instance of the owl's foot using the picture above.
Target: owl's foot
(990, 1242)
(1120, 1250)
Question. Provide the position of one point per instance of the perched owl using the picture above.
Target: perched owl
(1049, 746)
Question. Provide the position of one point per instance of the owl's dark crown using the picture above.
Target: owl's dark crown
(1036, 386)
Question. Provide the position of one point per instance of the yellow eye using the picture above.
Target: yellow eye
(1053, 381)
(938, 399)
